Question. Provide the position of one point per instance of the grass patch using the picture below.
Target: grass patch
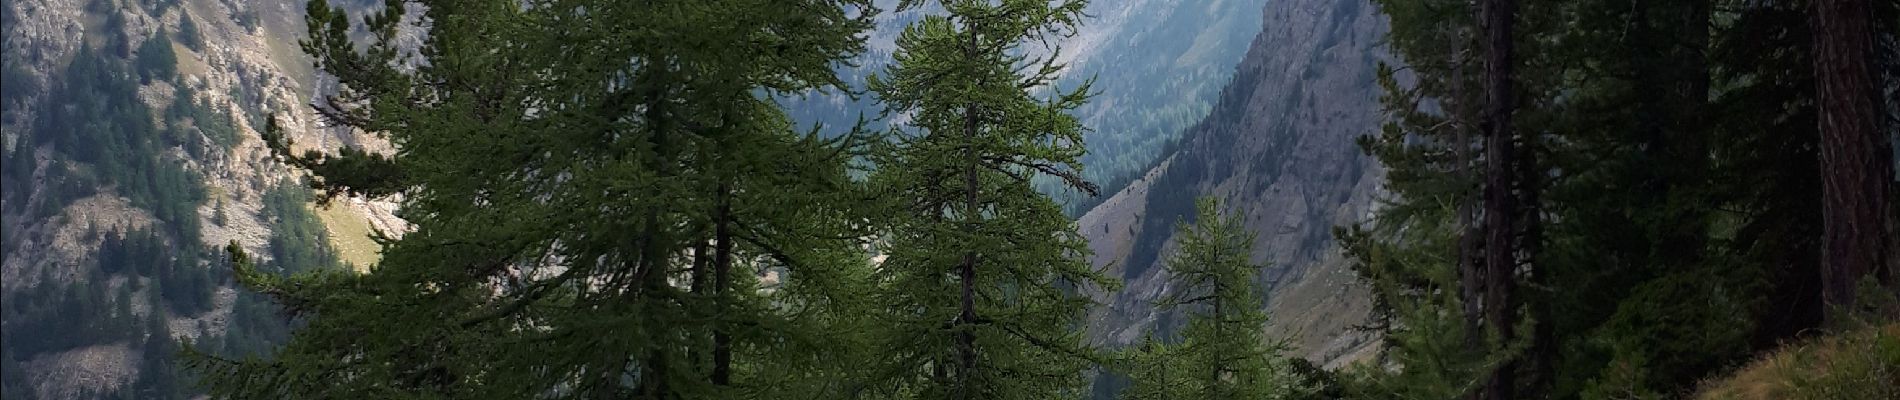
(1859, 364)
(190, 64)
(350, 235)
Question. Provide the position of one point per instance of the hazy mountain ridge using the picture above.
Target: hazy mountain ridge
(1278, 146)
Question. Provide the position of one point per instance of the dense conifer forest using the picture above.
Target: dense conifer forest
(1581, 199)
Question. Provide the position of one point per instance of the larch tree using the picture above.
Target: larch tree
(983, 276)
(595, 188)
(1223, 352)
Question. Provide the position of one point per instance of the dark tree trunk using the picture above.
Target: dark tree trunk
(722, 281)
(702, 264)
(1470, 277)
(966, 338)
(1856, 172)
(1500, 205)
(651, 272)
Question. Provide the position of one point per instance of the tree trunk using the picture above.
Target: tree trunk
(1470, 277)
(1220, 360)
(702, 263)
(1500, 204)
(722, 281)
(651, 272)
(1856, 173)
(966, 338)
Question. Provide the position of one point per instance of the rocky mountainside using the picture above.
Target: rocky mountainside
(1157, 65)
(1279, 147)
(177, 164)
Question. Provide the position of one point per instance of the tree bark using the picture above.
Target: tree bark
(1500, 203)
(1856, 173)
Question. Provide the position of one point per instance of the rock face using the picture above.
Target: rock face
(1278, 147)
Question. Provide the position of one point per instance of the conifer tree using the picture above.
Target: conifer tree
(983, 272)
(1156, 370)
(1667, 155)
(1223, 353)
(573, 170)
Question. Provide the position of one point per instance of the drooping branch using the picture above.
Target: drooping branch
(1071, 178)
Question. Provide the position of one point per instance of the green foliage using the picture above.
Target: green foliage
(1158, 371)
(1419, 334)
(1865, 366)
(1223, 353)
(17, 168)
(102, 139)
(17, 81)
(1674, 189)
(595, 189)
(218, 127)
(96, 119)
(982, 270)
(156, 60)
(14, 383)
(58, 317)
(298, 240)
(1156, 90)
(350, 171)
(188, 33)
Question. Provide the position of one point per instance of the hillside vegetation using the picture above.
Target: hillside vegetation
(1857, 364)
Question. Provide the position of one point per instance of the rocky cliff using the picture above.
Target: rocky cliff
(1278, 146)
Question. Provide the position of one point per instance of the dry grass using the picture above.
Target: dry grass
(189, 62)
(1861, 364)
(282, 28)
(350, 234)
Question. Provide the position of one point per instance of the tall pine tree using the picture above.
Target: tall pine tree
(595, 187)
(1222, 353)
(983, 272)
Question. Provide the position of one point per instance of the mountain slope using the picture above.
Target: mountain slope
(1277, 146)
(131, 157)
